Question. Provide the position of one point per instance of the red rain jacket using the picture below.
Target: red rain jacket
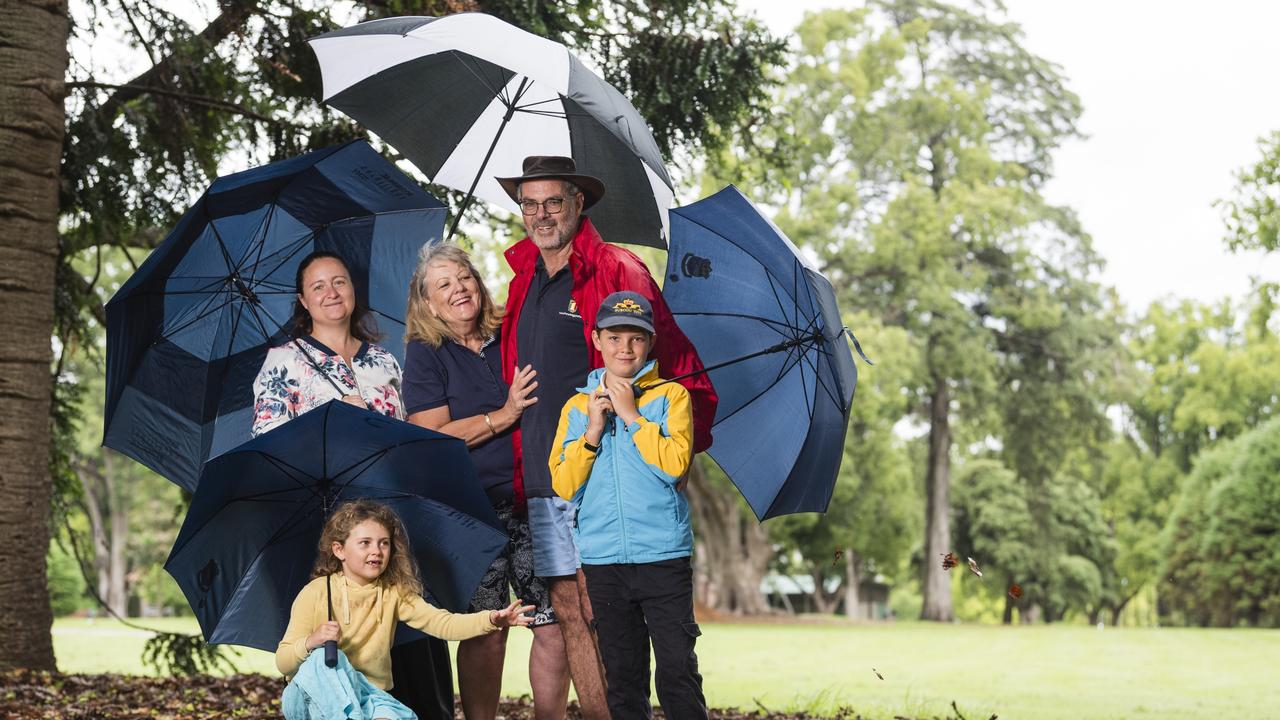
(598, 269)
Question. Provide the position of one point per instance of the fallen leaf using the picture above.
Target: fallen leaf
(973, 565)
(839, 555)
(949, 561)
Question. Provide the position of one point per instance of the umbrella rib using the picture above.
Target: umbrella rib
(392, 319)
(201, 315)
(493, 88)
(775, 325)
(264, 227)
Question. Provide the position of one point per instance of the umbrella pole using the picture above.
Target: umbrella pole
(511, 110)
(815, 337)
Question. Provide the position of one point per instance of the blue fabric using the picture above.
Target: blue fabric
(468, 384)
(628, 510)
(551, 520)
(737, 286)
(188, 331)
(338, 693)
(247, 545)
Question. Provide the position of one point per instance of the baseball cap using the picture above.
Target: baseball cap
(625, 308)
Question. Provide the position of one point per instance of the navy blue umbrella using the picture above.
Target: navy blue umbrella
(765, 324)
(187, 334)
(249, 540)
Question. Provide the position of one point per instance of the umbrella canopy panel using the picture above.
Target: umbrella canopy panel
(250, 538)
(737, 286)
(188, 332)
(467, 97)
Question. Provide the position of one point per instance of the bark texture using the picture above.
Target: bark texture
(731, 551)
(33, 64)
(937, 522)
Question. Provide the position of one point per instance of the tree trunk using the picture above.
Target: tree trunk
(935, 582)
(731, 551)
(852, 577)
(33, 64)
(1119, 608)
(117, 596)
(824, 603)
(93, 485)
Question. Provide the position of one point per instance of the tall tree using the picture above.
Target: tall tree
(33, 61)
(915, 140)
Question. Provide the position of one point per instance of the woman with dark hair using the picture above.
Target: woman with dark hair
(332, 355)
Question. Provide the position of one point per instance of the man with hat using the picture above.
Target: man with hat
(563, 271)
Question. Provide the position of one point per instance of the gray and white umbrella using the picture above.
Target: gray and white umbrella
(466, 97)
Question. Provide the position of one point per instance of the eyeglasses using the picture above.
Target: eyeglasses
(552, 205)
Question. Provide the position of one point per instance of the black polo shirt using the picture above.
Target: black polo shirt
(550, 337)
(470, 384)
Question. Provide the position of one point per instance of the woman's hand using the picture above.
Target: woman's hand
(323, 634)
(513, 614)
(355, 400)
(518, 396)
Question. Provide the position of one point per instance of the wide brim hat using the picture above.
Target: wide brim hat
(552, 167)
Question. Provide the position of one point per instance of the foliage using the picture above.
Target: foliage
(1253, 214)
(1222, 544)
(913, 142)
(186, 655)
(66, 584)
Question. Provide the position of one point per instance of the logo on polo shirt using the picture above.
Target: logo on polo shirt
(572, 311)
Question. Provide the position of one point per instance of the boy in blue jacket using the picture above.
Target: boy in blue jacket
(622, 445)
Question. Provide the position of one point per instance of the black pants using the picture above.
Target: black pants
(636, 604)
(422, 678)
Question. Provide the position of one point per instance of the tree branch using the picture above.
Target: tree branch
(186, 97)
(234, 16)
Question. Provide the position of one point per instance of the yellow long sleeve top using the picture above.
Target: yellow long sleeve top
(368, 615)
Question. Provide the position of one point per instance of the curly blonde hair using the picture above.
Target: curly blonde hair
(402, 569)
(420, 323)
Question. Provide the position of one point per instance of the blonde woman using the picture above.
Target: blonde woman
(453, 384)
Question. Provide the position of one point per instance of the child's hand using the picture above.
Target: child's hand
(513, 614)
(623, 398)
(598, 405)
(323, 634)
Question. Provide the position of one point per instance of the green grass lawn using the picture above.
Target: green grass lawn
(1060, 671)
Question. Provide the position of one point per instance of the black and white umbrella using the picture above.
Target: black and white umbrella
(467, 97)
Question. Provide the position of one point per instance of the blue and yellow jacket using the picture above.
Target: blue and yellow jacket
(628, 508)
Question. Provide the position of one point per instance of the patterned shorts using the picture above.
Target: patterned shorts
(514, 569)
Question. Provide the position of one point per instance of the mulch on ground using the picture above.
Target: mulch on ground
(26, 694)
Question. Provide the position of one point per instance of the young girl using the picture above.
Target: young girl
(373, 581)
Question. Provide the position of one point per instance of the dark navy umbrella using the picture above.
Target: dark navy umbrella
(765, 324)
(187, 334)
(249, 540)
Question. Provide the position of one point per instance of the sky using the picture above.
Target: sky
(1175, 96)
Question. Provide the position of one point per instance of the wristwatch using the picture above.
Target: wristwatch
(590, 447)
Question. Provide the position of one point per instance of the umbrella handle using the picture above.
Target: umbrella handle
(330, 646)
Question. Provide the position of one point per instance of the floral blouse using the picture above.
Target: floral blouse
(289, 384)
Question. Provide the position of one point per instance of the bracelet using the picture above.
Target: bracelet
(590, 448)
(489, 422)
